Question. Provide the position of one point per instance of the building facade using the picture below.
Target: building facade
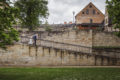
(90, 16)
(108, 23)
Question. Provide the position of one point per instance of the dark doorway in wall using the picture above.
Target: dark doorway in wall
(91, 21)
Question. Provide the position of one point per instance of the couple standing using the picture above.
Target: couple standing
(33, 39)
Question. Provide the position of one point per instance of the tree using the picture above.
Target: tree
(113, 7)
(31, 11)
(47, 27)
(7, 18)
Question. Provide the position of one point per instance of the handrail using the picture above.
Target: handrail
(64, 43)
(58, 42)
(60, 45)
(65, 46)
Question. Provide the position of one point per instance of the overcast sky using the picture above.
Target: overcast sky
(62, 10)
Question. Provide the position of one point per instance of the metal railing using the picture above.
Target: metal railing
(58, 45)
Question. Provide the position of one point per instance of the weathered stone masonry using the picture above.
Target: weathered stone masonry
(45, 55)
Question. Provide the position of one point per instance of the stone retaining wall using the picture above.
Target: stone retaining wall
(54, 56)
(87, 38)
(45, 56)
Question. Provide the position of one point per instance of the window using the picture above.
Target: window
(94, 12)
(87, 11)
(98, 13)
(90, 6)
(83, 13)
(91, 21)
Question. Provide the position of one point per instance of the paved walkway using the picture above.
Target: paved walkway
(29, 66)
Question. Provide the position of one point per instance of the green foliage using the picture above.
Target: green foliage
(113, 7)
(47, 27)
(75, 28)
(31, 11)
(117, 33)
(7, 18)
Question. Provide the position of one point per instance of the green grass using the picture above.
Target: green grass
(59, 73)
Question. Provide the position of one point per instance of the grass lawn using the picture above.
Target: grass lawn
(59, 73)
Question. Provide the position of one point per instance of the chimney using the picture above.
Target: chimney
(65, 22)
(70, 22)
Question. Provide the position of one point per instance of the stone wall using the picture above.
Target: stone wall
(19, 55)
(108, 53)
(83, 37)
(87, 38)
(52, 56)
(105, 39)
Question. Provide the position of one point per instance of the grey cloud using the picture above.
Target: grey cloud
(61, 10)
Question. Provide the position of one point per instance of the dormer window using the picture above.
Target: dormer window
(90, 6)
